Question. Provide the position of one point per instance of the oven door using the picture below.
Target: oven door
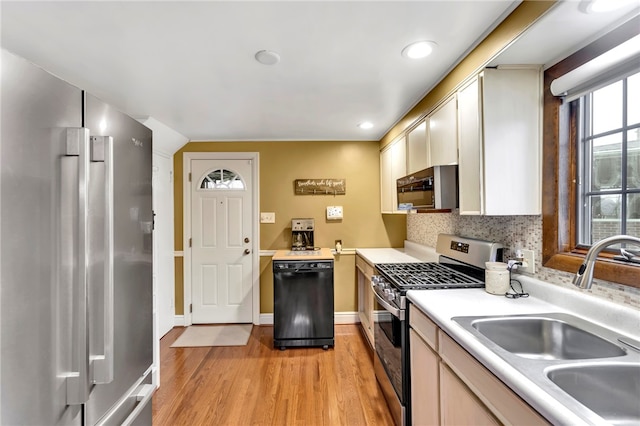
(390, 336)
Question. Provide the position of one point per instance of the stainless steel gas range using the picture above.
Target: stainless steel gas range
(460, 265)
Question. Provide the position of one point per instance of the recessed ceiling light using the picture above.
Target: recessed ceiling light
(598, 6)
(267, 57)
(419, 49)
(365, 125)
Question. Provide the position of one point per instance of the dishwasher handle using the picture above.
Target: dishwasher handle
(309, 270)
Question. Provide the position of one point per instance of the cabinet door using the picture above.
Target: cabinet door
(368, 310)
(365, 297)
(386, 195)
(459, 405)
(511, 105)
(499, 142)
(470, 145)
(443, 134)
(417, 152)
(393, 165)
(425, 384)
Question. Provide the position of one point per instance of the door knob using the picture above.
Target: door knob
(246, 240)
(247, 251)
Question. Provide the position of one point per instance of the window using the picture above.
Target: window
(587, 184)
(608, 139)
(221, 179)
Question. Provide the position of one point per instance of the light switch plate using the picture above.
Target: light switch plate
(267, 217)
(334, 212)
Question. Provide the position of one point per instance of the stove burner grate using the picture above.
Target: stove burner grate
(426, 275)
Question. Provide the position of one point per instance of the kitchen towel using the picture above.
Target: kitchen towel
(214, 335)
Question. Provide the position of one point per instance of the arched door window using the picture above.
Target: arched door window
(222, 179)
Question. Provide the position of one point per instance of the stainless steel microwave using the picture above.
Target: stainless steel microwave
(433, 188)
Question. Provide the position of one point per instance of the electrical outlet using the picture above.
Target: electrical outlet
(528, 262)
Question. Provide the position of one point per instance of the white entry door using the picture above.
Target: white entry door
(221, 261)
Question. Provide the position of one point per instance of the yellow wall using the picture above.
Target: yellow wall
(280, 164)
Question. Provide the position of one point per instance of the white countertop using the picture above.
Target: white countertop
(411, 253)
(442, 305)
(320, 254)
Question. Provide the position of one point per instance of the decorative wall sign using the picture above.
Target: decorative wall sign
(320, 186)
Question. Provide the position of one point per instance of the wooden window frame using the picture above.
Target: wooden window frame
(559, 242)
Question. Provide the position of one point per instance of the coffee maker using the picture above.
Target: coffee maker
(302, 234)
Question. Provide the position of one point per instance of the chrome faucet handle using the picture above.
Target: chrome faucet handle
(584, 276)
(628, 256)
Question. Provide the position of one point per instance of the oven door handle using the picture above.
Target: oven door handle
(398, 313)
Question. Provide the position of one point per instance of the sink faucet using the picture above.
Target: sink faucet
(584, 276)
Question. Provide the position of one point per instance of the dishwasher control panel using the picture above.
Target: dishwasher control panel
(295, 265)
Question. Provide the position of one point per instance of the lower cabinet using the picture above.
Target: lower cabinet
(450, 387)
(460, 406)
(365, 297)
(425, 391)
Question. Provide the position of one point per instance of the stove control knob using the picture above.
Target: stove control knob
(389, 294)
(379, 282)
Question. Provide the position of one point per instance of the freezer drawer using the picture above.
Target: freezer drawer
(133, 410)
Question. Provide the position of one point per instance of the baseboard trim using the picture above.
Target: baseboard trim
(338, 318)
(178, 321)
(267, 319)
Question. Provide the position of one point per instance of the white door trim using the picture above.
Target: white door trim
(255, 227)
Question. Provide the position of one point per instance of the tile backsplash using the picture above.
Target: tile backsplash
(514, 232)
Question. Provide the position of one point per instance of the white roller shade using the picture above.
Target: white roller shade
(612, 65)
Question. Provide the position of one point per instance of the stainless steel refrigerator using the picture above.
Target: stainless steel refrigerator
(75, 255)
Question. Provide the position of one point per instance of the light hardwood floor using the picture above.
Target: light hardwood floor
(259, 385)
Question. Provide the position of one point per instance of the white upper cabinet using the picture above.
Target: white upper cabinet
(499, 133)
(443, 134)
(470, 156)
(417, 149)
(393, 165)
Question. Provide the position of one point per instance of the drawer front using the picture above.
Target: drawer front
(426, 328)
(366, 268)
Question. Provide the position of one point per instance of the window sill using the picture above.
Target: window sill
(606, 268)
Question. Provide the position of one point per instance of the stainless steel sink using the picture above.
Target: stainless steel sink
(545, 338)
(588, 369)
(610, 390)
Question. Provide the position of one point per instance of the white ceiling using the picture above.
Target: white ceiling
(564, 30)
(191, 65)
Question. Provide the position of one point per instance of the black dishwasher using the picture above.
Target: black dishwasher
(303, 303)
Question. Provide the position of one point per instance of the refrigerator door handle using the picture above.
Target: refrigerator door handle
(75, 246)
(102, 364)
